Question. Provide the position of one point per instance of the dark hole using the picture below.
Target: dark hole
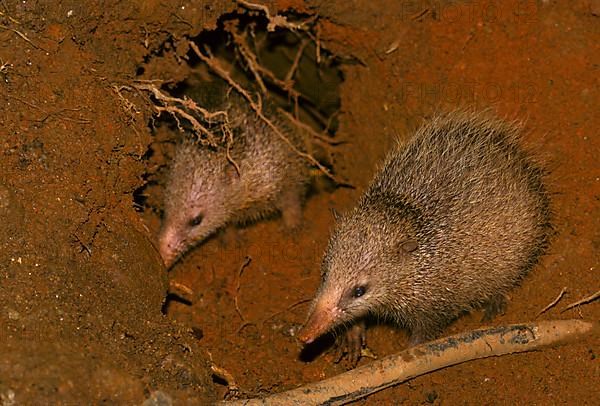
(310, 352)
(219, 381)
(169, 301)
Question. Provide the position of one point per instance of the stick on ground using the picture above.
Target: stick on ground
(553, 303)
(585, 300)
(428, 357)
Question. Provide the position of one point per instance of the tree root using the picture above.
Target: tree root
(428, 357)
(256, 105)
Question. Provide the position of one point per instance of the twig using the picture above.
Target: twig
(287, 309)
(49, 114)
(171, 106)
(553, 303)
(290, 75)
(428, 357)
(10, 18)
(84, 247)
(229, 134)
(20, 34)
(321, 137)
(257, 69)
(246, 54)
(585, 300)
(4, 66)
(181, 290)
(246, 262)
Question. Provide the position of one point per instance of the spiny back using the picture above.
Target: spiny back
(475, 196)
(456, 155)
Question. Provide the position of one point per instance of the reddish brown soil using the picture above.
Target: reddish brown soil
(82, 286)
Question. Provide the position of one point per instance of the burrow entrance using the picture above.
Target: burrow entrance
(282, 66)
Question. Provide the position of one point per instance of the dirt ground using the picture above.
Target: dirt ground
(82, 287)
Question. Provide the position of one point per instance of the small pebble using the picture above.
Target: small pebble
(158, 398)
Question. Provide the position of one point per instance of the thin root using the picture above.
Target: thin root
(257, 69)
(277, 21)
(247, 55)
(214, 64)
(553, 303)
(20, 34)
(186, 109)
(303, 126)
(180, 107)
(287, 309)
(10, 18)
(238, 286)
(4, 66)
(583, 301)
(49, 114)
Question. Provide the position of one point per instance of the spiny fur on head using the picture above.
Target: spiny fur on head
(208, 188)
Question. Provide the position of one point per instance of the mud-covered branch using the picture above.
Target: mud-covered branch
(428, 357)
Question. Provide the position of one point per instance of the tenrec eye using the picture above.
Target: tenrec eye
(196, 220)
(359, 291)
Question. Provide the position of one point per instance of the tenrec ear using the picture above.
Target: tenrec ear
(335, 213)
(409, 246)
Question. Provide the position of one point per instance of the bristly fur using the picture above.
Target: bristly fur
(475, 204)
(272, 178)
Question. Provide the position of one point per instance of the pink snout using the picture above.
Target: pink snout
(168, 246)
